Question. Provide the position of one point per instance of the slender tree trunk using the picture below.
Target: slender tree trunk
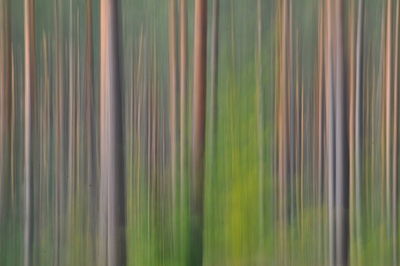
(59, 134)
(320, 127)
(330, 130)
(395, 139)
(388, 83)
(199, 110)
(338, 137)
(29, 34)
(358, 124)
(173, 77)
(183, 91)
(90, 137)
(111, 135)
(260, 116)
(214, 86)
(5, 106)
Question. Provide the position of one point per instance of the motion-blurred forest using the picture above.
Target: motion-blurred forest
(199, 132)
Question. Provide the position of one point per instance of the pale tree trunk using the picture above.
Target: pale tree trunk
(213, 131)
(388, 84)
(358, 125)
(112, 206)
(29, 35)
(199, 110)
(214, 86)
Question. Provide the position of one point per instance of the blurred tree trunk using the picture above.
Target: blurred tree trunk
(260, 117)
(5, 106)
(90, 137)
(199, 110)
(388, 122)
(338, 136)
(112, 206)
(173, 77)
(358, 123)
(29, 35)
(341, 141)
(214, 86)
(395, 139)
(183, 92)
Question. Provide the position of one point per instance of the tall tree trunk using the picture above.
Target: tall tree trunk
(338, 134)
(395, 139)
(111, 135)
(29, 34)
(183, 91)
(5, 106)
(214, 86)
(358, 124)
(284, 124)
(59, 134)
(388, 85)
(199, 110)
(260, 117)
(173, 77)
(90, 138)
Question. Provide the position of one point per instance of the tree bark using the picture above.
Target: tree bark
(199, 108)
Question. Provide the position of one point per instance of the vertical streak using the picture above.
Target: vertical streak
(29, 35)
(330, 131)
(358, 125)
(199, 103)
(183, 90)
(260, 116)
(172, 93)
(388, 70)
(341, 131)
(111, 135)
(395, 139)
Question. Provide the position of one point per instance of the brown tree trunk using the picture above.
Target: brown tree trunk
(199, 109)
(112, 206)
